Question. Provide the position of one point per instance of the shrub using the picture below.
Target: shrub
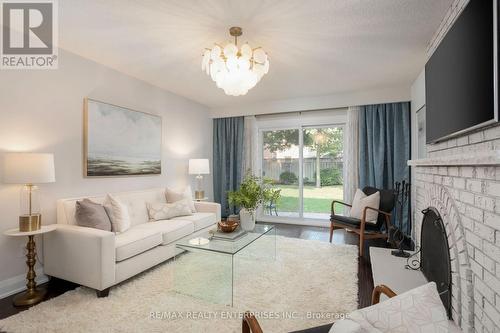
(331, 176)
(288, 178)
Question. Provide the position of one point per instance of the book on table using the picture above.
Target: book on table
(229, 236)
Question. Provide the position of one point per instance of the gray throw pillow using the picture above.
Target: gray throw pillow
(92, 215)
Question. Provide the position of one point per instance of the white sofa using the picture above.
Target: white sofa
(100, 259)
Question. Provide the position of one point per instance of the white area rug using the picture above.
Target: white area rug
(310, 283)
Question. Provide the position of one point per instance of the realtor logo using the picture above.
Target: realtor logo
(29, 34)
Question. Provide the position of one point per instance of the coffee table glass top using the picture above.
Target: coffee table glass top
(227, 246)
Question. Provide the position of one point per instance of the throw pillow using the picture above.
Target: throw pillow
(92, 215)
(419, 310)
(164, 211)
(174, 196)
(118, 214)
(361, 201)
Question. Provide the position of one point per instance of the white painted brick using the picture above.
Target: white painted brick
(492, 133)
(491, 251)
(448, 181)
(474, 213)
(486, 172)
(462, 141)
(443, 171)
(476, 137)
(453, 171)
(467, 223)
(467, 197)
(474, 185)
(473, 239)
(493, 220)
(493, 188)
(459, 183)
(492, 281)
(485, 262)
(484, 289)
(451, 143)
(484, 232)
(483, 202)
(492, 312)
(467, 172)
(476, 268)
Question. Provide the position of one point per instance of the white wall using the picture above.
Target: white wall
(42, 111)
(399, 93)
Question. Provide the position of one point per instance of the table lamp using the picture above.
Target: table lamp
(29, 169)
(199, 167)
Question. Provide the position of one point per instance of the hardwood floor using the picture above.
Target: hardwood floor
(56, 287)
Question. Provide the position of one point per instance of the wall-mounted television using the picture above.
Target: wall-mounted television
(461, 76)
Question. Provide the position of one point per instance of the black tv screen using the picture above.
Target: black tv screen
(460, 77)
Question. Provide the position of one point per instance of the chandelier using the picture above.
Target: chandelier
(235, 70)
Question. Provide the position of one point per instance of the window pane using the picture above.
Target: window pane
(322, 170)
(281, 164)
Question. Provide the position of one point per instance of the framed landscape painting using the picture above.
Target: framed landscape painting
(119, 141)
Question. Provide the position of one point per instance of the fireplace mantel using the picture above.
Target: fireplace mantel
(488, 158)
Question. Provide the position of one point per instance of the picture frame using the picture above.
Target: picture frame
(120, 142)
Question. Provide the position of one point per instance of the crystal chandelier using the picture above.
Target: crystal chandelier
(235, 70)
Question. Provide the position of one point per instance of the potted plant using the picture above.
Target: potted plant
(253, 193)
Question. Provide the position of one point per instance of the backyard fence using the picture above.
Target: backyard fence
(273, 168)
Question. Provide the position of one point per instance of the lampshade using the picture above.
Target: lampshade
(28, 168)
(199, 166)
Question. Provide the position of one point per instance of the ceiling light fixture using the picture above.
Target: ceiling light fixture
(235, 70)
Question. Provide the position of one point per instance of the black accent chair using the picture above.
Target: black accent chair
(359, 226)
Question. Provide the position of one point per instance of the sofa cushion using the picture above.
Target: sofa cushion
(165, 211)
(170, 230)
(174, 196)
(200, 220)
(92, 215)
(135, 241)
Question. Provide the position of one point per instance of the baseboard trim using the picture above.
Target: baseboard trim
(17, 283)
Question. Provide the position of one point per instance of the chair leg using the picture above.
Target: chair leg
(361, 243)
(331, 231)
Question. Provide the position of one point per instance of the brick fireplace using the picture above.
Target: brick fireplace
(461, 179)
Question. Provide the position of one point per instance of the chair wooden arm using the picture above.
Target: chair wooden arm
(381, 289)
(250, 324)
(339, 202)
(377, 210)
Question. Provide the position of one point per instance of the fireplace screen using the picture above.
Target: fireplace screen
(435, 255)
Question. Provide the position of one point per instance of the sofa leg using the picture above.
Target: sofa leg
(103, 293)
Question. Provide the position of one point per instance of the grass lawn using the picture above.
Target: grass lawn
(316, 200)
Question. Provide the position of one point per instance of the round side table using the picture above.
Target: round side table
(32, 295)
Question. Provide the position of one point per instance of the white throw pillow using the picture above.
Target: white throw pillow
(173, 196)
(346, 326)
(361, 201)
(419, 310)
(118, 214)
(164, 211)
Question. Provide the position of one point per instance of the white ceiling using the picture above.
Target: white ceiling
(316, 47)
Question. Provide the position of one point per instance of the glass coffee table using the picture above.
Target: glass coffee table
(208, 271)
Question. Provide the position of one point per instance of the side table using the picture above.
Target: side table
(32, 295)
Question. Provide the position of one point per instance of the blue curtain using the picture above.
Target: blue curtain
(227, 159)
(384, 139)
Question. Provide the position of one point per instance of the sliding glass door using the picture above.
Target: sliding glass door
(281, 164)
(306, 163)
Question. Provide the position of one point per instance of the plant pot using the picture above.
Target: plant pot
(247, 219)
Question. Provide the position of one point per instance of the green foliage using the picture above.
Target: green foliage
(331, 176)
(253, 192)
(326, 141)
(288, 178)
(280, 140)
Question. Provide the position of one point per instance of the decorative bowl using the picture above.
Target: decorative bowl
(227, 226)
